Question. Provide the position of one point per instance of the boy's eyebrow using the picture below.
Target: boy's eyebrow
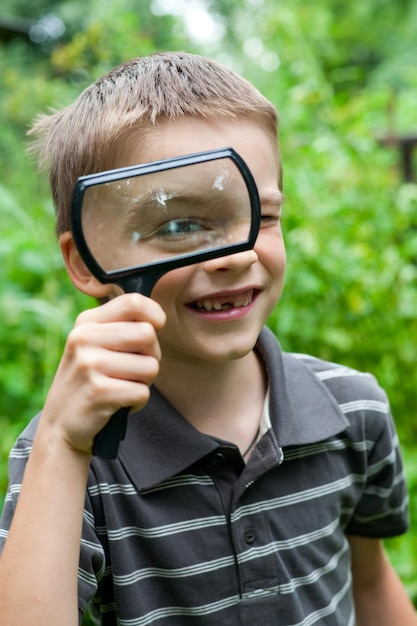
(152, 206)
(148, 202)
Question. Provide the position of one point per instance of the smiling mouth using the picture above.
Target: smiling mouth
(224, 303)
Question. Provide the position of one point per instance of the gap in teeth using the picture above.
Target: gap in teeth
(210, 305)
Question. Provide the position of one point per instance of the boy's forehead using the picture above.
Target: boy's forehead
(190, 134)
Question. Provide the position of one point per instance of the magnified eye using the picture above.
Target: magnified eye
(183, 234)
(178, 227)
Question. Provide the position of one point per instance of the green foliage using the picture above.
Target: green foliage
(38, 308)
(342, 75)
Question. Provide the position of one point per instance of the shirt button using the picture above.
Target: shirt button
(217, 458)
(250, 535)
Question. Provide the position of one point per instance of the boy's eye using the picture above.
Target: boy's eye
(270, 219)
(182, 235)
(181, 226)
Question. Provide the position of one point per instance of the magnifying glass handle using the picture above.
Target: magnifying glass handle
(106, 442)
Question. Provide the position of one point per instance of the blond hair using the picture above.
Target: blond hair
(82, 138)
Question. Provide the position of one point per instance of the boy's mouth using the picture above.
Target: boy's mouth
(224, 303)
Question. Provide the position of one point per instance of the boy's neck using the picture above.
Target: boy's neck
(222, 400)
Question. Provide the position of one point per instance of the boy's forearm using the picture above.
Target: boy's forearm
(110, 359)
(385, 603)
(39, 563)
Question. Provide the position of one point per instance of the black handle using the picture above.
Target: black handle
(106, 442)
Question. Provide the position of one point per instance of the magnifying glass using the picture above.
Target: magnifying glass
(134, 224)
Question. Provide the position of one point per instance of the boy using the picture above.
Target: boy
(253, 487)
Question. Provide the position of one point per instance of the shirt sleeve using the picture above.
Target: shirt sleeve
(382, 510)
(92, 561)
(17, 463)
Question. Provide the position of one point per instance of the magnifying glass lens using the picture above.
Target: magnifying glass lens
(144, 219)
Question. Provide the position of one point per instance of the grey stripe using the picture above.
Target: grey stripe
(180, 572)
(364, 405)
(163, 531)
(297, 497)
(171, 611)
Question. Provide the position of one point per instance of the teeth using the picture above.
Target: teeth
(217, 305)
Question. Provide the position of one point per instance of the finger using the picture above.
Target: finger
(125, 337)
(106, 395)
(118, 366)
(126, 307)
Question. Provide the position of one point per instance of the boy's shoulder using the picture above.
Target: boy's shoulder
(352, 394)
(305, 372)
(343, 381)
(313, 399)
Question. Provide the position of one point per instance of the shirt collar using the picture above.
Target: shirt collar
(302, 409)
(160, 443)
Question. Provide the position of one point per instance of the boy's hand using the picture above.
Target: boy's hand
(110, 359)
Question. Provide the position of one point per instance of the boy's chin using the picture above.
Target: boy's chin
(209, 348)
(225, 352)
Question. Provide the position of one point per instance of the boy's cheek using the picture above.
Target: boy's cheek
(171, 286)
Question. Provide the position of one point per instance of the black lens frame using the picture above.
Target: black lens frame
(142, 278)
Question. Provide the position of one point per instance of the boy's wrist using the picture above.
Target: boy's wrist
(52, 443)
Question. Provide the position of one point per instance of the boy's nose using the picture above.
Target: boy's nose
(237, 262)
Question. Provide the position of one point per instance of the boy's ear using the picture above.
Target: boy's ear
(77, 270)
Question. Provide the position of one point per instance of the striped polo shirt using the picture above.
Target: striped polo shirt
(179, 531)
